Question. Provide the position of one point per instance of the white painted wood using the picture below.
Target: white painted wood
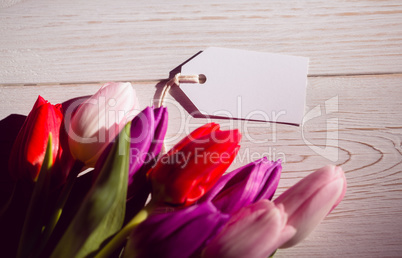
(64, 42)
(368, 221)
(8, 3)
(78, 41)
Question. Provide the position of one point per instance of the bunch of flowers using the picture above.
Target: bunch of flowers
(90, 181)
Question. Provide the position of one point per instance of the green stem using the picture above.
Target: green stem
(31, 231)
(122, 235)
(61, 201)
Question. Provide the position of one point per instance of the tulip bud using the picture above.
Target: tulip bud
(161, 123)
(29, 147)
(148, 130)
(193, 166)
(254, 231)
(309, 201)
(99, 119)
(246, 185)
(175, 234)
(260, 228)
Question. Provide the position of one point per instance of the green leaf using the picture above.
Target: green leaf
(59, 207)
(33, 223)
(101, 214)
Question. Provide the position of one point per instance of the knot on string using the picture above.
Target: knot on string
(179, 78)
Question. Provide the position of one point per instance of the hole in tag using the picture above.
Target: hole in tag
(202, 78)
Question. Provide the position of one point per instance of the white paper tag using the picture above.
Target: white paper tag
(248, 85)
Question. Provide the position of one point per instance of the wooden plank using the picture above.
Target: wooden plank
(367, 117)
(79, 41)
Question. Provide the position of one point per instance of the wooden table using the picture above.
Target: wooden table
(64, 49)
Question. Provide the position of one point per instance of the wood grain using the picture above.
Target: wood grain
(354, 94)
(79, 41)
(368, 222)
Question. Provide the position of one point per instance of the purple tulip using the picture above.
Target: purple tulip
(161, 123)
(254, 231)
(246, 185)
(148, 130)
(169, 231)
(309, 201)
(176, 234)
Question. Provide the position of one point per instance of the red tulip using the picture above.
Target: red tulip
(30, 145)
(194, 165)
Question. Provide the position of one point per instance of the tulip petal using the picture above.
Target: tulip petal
(99, 119)
(176, 234)
(191, 168)
(254, 231)
(196, 134)
(306, 187)
(161, 122)
(142, 133)
(311, 199)
(201, 172)
(146, 127)
(29, 147)
(17, 152)
(246, 185)
(46, 120)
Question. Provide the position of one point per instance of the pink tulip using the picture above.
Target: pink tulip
(260, 228)
(99, 119)
(254, 231)
(309, 201)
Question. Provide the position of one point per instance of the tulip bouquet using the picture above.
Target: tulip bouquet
(89, 180)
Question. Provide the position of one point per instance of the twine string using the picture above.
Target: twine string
(176, 80)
